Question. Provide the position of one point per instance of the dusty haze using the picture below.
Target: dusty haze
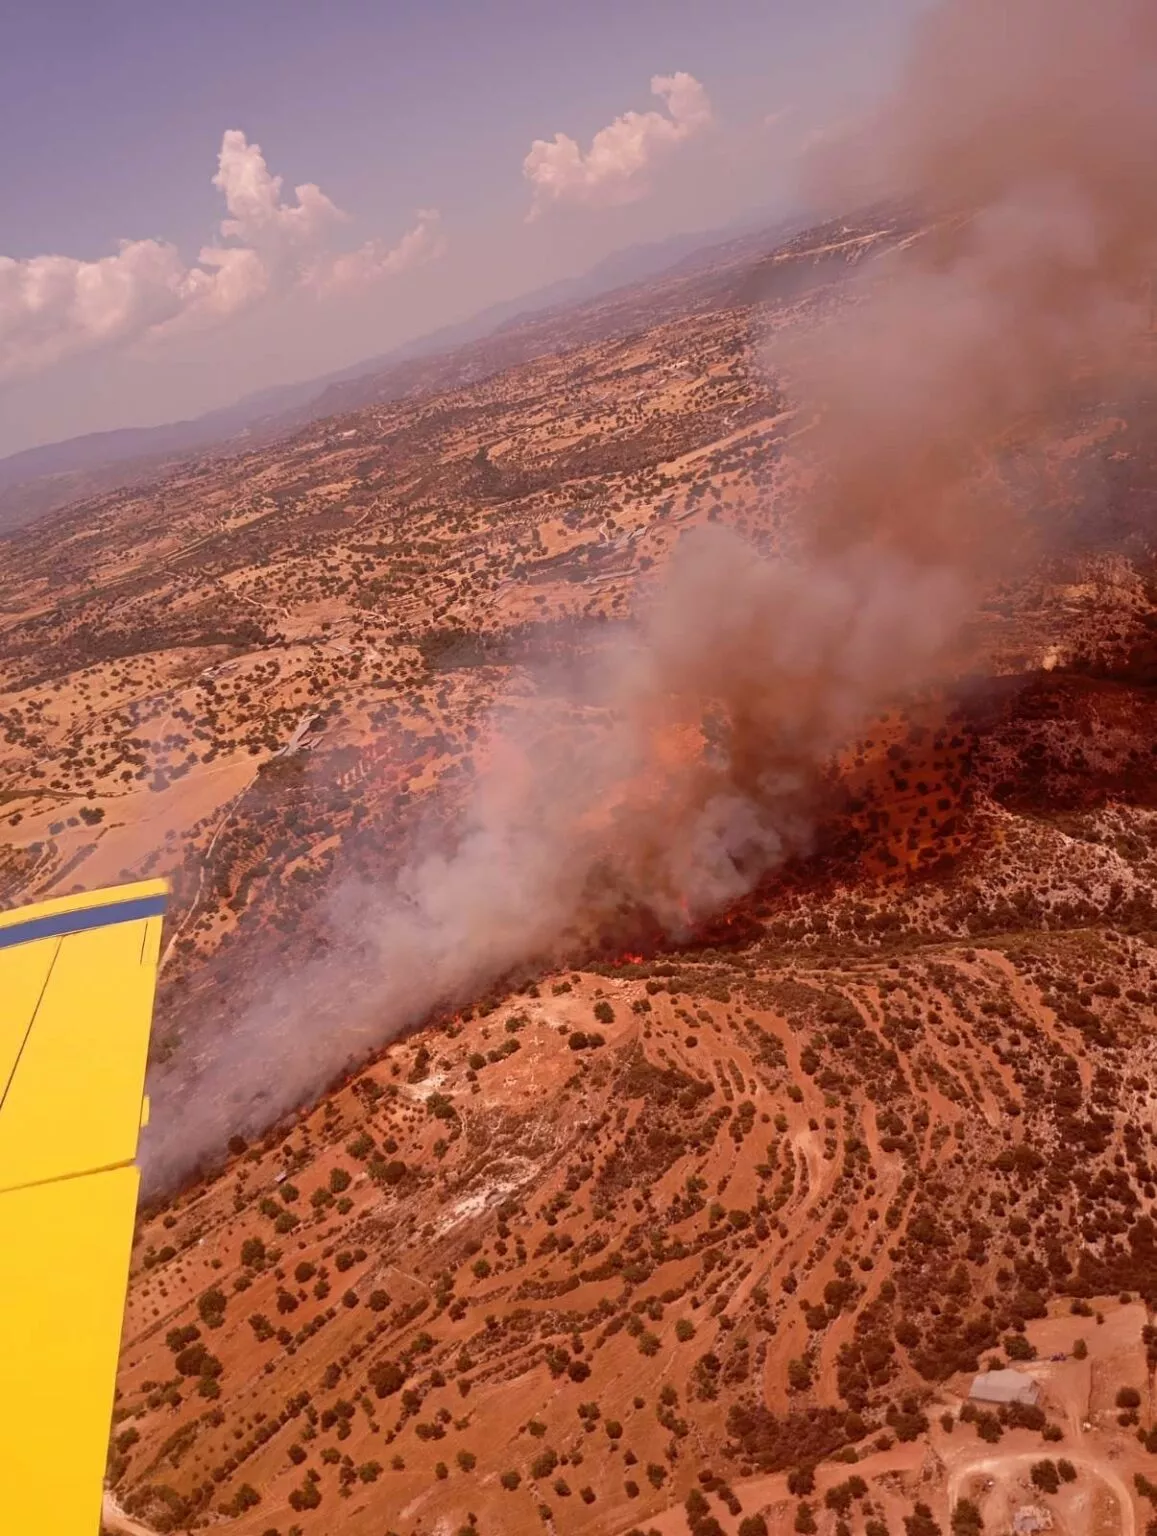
(1028, 131)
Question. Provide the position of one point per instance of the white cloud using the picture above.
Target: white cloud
(253, 198)
(348, 270)
(614, 168)
(230, 278)
(52, 307)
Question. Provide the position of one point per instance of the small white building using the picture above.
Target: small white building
(1004, 1387)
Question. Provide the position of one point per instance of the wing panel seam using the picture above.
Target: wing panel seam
(31, 1022)
(64, 1178)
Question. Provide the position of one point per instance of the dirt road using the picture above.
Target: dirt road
(1017, 1462)
(113, 1518)
(907, 1459)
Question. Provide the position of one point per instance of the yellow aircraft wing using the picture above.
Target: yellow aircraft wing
(77, 978)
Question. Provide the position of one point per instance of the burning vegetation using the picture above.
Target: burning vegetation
(685, 1002)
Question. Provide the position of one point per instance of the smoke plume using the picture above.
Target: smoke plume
(1025, 133)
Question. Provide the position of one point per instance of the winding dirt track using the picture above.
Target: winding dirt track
(113, 1518)
(1020, 1461)
(907, 1459)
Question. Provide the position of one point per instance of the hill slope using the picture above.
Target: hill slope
(633, 1234)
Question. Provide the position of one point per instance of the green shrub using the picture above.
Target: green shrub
(920, 1522)
(211, 1307)
(1045, 1476)
(1017, 1347)
(966, 1518)
(543, 1464)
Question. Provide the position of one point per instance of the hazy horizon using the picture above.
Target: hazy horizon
(504, 309)
(214, 205)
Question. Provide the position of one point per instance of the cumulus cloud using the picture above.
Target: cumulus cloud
(252, 195)
(229, 278)
(348, 270)
(614, 169)
(53, 307)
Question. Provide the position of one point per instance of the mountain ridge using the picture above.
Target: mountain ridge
(47, 476)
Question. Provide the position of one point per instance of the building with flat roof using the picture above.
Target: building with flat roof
(1004, 1387)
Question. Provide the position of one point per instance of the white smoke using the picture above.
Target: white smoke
(694, 777)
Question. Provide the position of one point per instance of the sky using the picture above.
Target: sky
(201, 201)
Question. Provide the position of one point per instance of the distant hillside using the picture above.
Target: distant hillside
(39, 480)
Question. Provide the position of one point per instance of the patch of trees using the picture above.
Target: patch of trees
(1131, 1266)
(775, 1443)
(867, 1361)
(584, 1040)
